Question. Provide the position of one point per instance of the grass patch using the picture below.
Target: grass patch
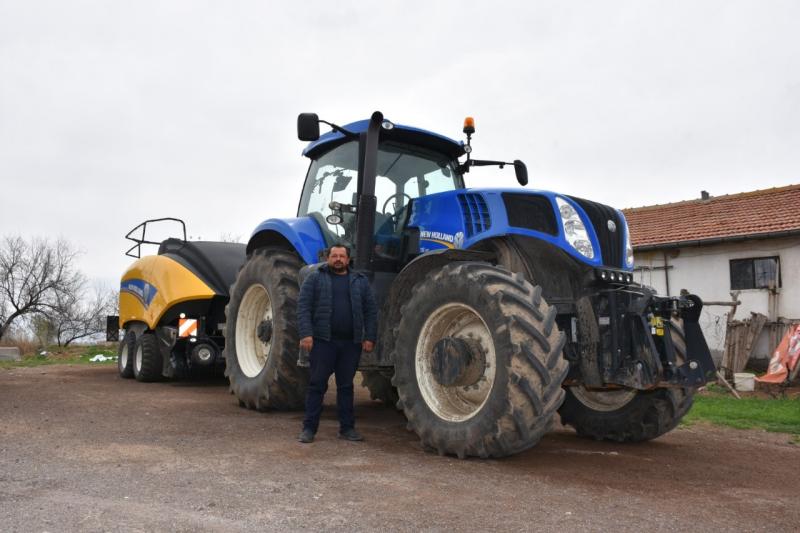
(75, 354)
(779, 415)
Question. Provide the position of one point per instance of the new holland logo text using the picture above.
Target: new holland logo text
(139, 289)
(446, 239)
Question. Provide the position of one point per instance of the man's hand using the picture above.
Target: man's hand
(306, 343)
(367, 346)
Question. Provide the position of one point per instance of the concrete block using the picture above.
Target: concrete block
(9, 353)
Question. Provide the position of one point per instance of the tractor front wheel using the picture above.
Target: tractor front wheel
(478, 361)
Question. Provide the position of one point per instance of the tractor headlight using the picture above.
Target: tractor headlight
(628, 248)
(574, 229)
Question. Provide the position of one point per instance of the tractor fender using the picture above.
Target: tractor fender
(416, 269)
(405, 281)
(303, 235)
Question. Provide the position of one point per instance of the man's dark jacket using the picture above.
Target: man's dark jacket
(315, 306)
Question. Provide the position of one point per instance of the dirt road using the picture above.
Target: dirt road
(84, 450)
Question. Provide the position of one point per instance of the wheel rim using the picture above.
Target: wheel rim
(604, 401)
(137, 359)
(123, 357)
(251, 352)
(454, 403)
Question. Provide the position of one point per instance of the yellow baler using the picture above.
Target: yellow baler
(172, 307)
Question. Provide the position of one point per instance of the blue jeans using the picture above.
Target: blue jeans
(326, 358)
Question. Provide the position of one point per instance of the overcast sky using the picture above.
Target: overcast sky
(114, 112)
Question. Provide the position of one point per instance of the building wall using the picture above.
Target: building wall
(705, 271)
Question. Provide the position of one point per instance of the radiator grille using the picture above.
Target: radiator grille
(475, 212)
(612, 243)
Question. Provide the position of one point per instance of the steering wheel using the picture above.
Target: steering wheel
(392, 197)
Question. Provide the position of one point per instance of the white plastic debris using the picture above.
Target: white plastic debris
(100, 358)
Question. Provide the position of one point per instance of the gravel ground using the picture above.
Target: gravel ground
(83, 450)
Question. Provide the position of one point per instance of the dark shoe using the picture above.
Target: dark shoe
(350, 434)
(306, 436)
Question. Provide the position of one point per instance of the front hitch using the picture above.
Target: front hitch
(696, 346)
(638, 345)
(699, 367)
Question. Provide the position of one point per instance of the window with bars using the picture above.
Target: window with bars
(755, 273)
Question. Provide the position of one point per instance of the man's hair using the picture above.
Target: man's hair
(338, 245)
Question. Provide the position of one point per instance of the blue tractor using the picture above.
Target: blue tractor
(498, 307)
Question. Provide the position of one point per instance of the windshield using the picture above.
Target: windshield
(403, 173)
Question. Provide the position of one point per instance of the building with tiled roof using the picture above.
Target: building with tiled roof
(747, 243)
(748, 215)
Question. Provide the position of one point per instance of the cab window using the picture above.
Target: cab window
(332, 178)
(403, 173)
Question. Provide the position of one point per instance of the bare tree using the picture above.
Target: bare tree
(76, 316)
(42, 328)
(33, 276)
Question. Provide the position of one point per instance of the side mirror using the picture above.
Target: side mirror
(521, 171)
(308, 127)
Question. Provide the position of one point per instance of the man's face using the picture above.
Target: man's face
(338, 259)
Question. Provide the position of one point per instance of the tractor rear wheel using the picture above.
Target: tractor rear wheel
(380, 387)
(147, 359)
(261, 343)
(478, 361)
(125, 355)
(629, 415)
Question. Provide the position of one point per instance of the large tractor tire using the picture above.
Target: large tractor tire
(380, 387)
(628, 415)
(147, 362)
(125, 355)
(478, 361)
(261, 342)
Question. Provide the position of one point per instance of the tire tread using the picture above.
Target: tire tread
(534, 364)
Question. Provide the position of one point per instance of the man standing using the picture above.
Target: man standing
(336, 319)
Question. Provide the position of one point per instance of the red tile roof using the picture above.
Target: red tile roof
(745, 215)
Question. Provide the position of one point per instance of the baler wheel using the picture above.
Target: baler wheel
(478, 361)
(628, 415)
(125, 355)
(261, 342)
(147, 359)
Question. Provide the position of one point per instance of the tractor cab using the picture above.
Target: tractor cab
(409, 163)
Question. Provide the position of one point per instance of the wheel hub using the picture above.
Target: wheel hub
(455, 346)
(203, 354)
(264, 331)
(457, 362)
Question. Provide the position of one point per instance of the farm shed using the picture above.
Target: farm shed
(741, 247)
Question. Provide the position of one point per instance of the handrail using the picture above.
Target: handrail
(143, 240)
